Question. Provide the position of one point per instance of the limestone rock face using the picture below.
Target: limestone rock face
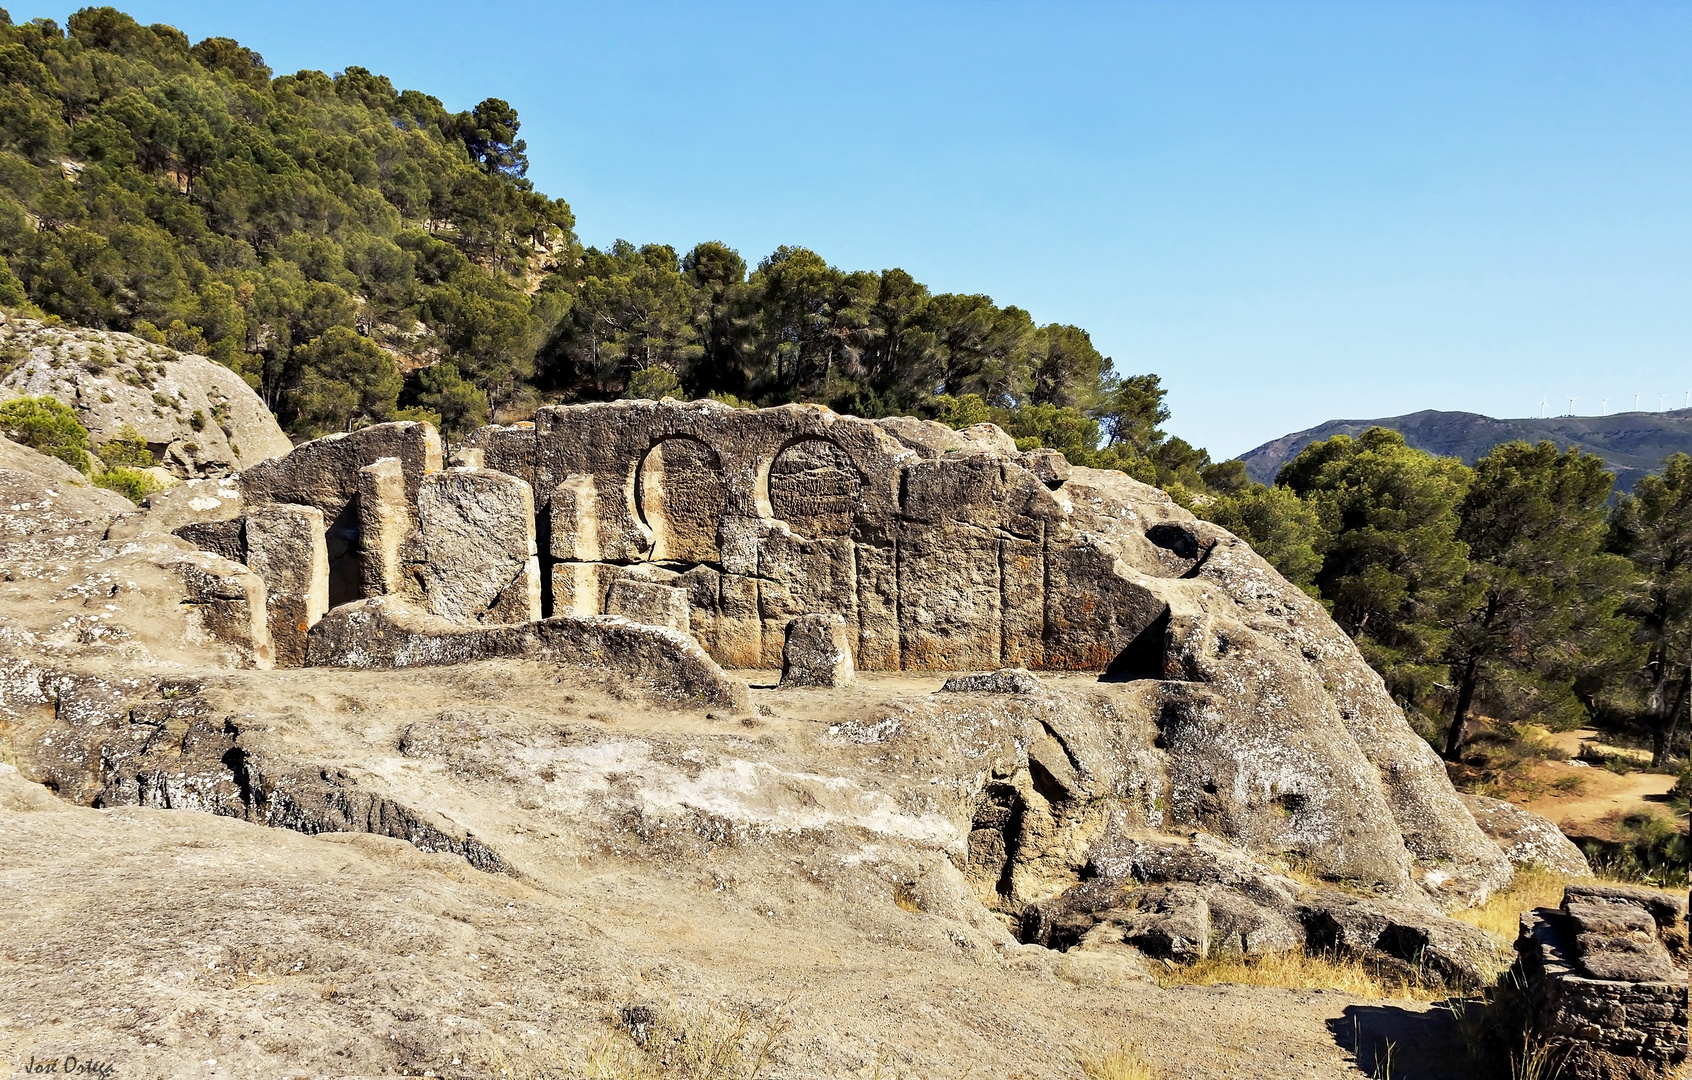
(1235, 698)
(817, 652)
(284, 546)
(197, 416)
(229, 603)
(325, 473)
(1526, 839)
(475, 554)
(647, 602)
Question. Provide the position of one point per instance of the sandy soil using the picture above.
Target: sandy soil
(1604, 797)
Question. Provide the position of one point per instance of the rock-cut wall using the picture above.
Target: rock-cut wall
(936, 560)
(934, 550)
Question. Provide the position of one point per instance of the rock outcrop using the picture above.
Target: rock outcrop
(1526, 838)
(197, 417)
(923, 549)
(386, 633)
(1186, 901)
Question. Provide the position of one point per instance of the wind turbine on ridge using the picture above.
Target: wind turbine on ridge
(1542, 402)
(1604, 410)
(1571, 405)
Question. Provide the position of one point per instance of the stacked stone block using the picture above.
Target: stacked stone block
(1606, 982)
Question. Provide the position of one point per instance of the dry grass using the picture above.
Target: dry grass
(905, 898)
(1115, 1063)
(1500, 917)
(1296, 969)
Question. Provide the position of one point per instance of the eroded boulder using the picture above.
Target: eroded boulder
(1525, 838)
(197, 417)
(817, 652)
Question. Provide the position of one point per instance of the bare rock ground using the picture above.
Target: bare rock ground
(581, 852)
(187, 944)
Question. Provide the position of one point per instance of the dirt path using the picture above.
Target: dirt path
(1604, 796)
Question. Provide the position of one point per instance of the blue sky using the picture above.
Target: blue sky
(1290, 211)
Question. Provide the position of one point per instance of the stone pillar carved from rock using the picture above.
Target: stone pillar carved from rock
(286, 547)
(950, 603)
(801, 576)
(704, 588)
(385, 522)
(228, 601)
(739, 630)
(477, 547)
(574, 517)
(877, 575)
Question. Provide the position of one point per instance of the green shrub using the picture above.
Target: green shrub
(47, 425)
(127, 449)
(132, 484)
(654, 383)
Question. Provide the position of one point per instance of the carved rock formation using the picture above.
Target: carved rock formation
(935, 550)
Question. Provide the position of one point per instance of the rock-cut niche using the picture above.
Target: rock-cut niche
(815, 488)
(681, 498)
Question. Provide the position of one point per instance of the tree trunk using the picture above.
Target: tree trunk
(1664, 711)
(1459, 730)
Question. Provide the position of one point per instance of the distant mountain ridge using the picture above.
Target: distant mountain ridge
(1632, 444)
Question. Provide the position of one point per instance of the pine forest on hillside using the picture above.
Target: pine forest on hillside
(360, 253)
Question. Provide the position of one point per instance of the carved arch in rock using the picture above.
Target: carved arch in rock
(815, 487)
(680, 496)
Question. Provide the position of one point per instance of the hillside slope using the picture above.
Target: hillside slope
(1632, 444)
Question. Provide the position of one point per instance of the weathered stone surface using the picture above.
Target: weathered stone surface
(228, 602)
(1003, 681)
(197, 416)
(1446, 950)
(931, 439)
(581, 588)
(385, 523)
(817, 652)
(324, 473)
(1668, 909)
(1526, 839)
(467, 457)
(225, 538)
(194, 501)
(681, 498)
(476, 555)
(387, 632)
(574, 521)
(948, 550)
(1050, 467)
(648, 602)
(1187, 901)
(285, 547)
(1601, 994)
